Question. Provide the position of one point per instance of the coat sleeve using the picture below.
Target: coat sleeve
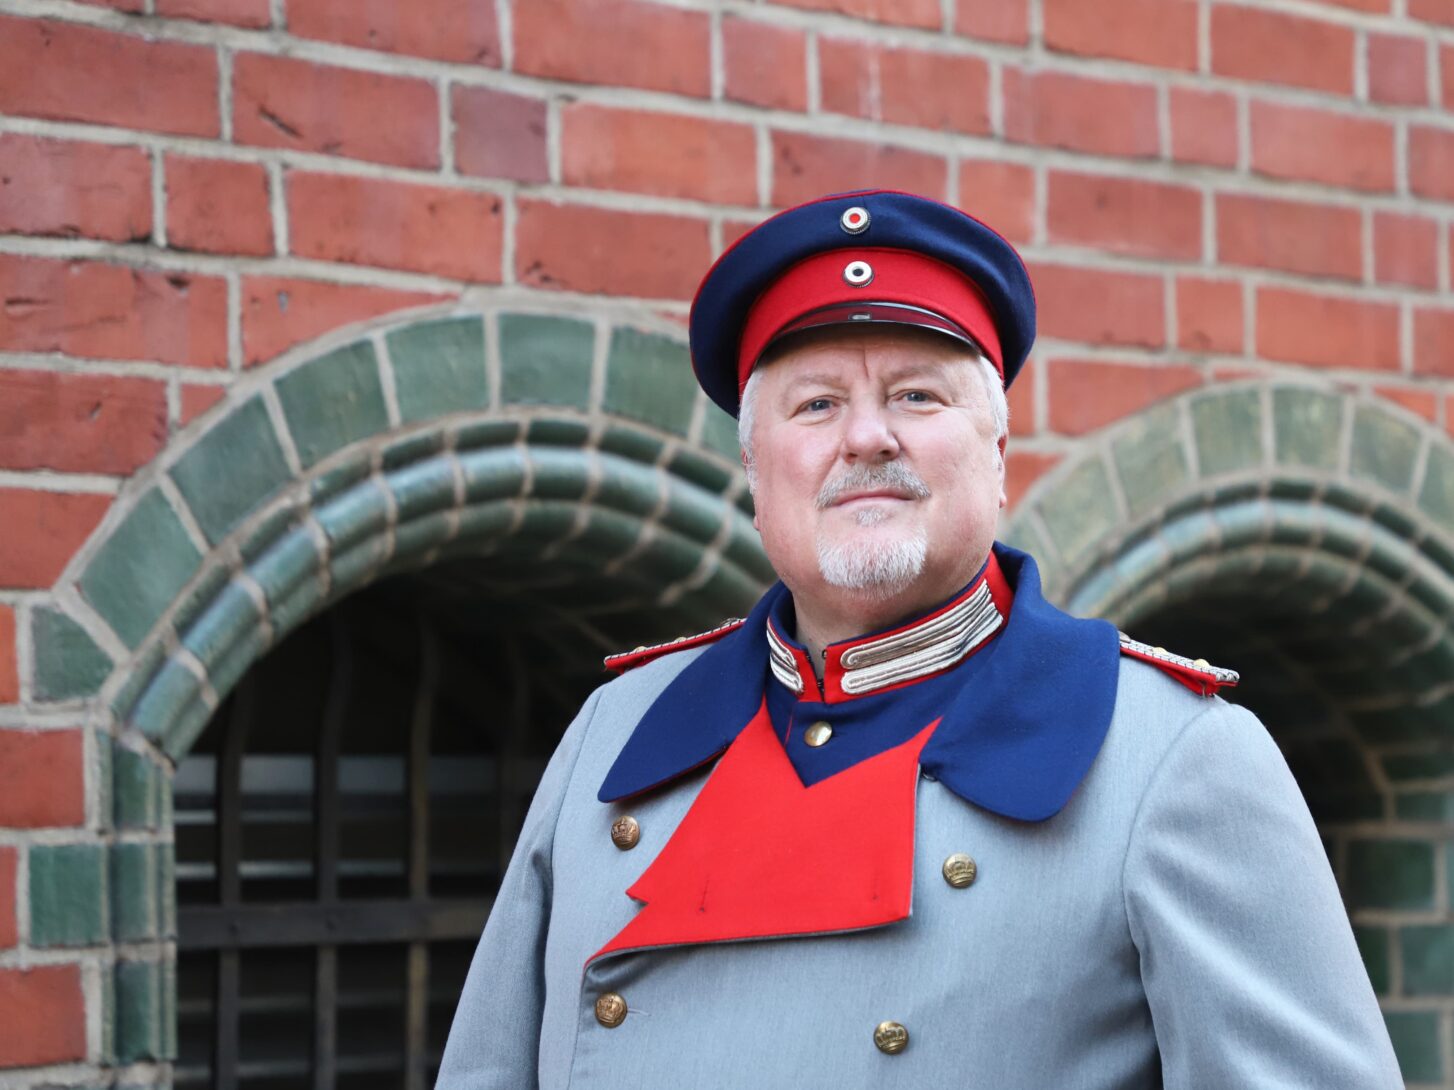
(1248, 961)
(494, 1041)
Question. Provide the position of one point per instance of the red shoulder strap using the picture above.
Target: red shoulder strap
(640, 656)
(1198, 675)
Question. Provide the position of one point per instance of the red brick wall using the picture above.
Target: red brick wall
(1203, 188)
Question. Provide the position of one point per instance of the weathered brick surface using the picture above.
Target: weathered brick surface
(245, 13)
(1203, 127)
(633, 43)
(1089, 394)
(1059, 110)
(1208, 315)
(42, 781)
(499, 135)
(578, 248)
(1434, 341)
(1296, 236)
(1398, 70)
(364, 221)
(925, 89)
(449, 30)
(196, 400)
(9, 668)
(1023, 468)
(218, 206)
(919, 13)
(1433, 11)
(90, 309)
(279, 312)
(1406, 249)
(1099, 307)
(1431, 162)
(80, 423)
(805, 166)
(9, 864)
(1124, 215)
(43, 1012)
(1275, 47)
(1157, 32)
(72, 189)
(68, 72)
(44, 529)
(1005, 21)
(765, 65)
(1423, 402)
(670, 155)
(1326, 330)
(1000, 194)
(1309, 144)
(284, 102)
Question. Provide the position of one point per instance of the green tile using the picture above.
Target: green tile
(1228, 429)
(136, 786)
(67, 894)
(1436, 497)
(360, 514)
(558, 474)
(68, 663)
(704, 472)
(232, 617)
(286, 565)
(1308, 424)
(1373, 944)
(558, 433)
(140, 1011)
(135, 892)
(1427, 954)
(1150, 460)
(439, 367)
(719, 433)
(1077, 510)
(333, 401)
(141, 568)
(1384, 448)
(171, 692)
(422, 487)
(1415, 1037)
(545, 360)
(1418, 766)
(492, 473)
(1390, 874)
(482, 434)
(232, 469)
(1426, 806)
(631, 443)
(696, 515)
(649, 378)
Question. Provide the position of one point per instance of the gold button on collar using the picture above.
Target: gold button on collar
(625, 832)
(891, 1037)
(818, 733)
(610, 1010)
(959, 870)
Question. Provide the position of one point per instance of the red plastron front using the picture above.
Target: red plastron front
(759, 855)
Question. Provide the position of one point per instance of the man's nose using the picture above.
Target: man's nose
(868, 434)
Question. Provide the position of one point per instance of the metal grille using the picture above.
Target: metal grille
(342, 826)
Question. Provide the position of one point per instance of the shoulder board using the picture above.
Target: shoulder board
(1198, 675)
(629, 660)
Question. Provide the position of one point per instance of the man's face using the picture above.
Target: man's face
(877, 462)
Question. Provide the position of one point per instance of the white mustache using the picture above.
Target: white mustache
(894, 476)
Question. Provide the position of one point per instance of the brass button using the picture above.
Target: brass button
(610, 1010)
(625, 832)
(891, 1037)
(959, 870)
(818, 733)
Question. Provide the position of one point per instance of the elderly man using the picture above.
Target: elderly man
(907, 825)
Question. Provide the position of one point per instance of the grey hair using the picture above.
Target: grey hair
(746, 414)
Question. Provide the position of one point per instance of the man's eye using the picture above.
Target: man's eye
(918, 397)
(818, 405)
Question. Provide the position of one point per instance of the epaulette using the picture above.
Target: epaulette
(629, 660)
(1198, 675)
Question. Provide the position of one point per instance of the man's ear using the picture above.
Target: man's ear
(1004, 471)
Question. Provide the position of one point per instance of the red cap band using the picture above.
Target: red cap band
(866, 277)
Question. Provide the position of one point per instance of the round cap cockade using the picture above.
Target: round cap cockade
(870, 256)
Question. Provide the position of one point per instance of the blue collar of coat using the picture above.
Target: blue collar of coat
(1016, 737)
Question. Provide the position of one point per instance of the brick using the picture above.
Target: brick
(68, 72)
(1307, 144)
(47, 529)
(218, 206)
(59, 187)
(1079, 113)
(1005, 21)
(903, 86)
(626, 43)
(1096, 306)
(1398, 70)
(1203, 127)
(1431, 162)
(396, 225)
(1295, 236)
(131, 7)
(1326, 330)
(282, 102)
(601, 251)
(765, 65)
(196, 400)
(465, 31)
(1124, 215)
(112, 312)
(920, 13)
(278, 312)
(667, 155)
(80, 423)
(1088, 394)
(1024, 414)
(1157, 32)
(1209, 315)
(1433, 11)
(43, 779)
(1378, 6)
(1416, 400)
(1273, 47)
(499, 135)
(1405, 250)
(1000, 194)
(1446, 77)
(248, 13)
(1022, 469)
(1434, 341)
(8, 862)
(9, 667)
(44, 1015)
(806, 166)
